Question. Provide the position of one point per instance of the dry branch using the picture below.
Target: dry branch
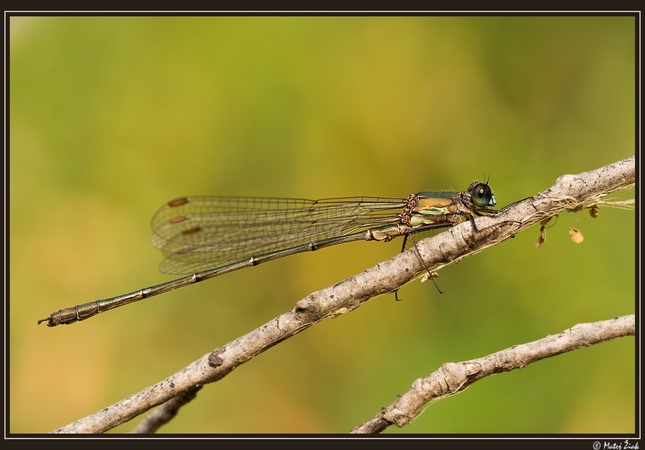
(570, 192)
(453, 378)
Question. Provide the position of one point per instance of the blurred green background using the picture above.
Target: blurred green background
(110, 117)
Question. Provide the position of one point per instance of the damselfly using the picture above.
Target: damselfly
(211, 236)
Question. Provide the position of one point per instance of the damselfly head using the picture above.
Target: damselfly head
(481, 195)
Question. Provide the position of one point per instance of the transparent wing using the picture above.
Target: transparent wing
(197, 233)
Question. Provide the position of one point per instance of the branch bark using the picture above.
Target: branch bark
(453, 378)
(570, 192)
(165, 413)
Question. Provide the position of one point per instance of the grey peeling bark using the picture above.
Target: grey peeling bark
(452, 378)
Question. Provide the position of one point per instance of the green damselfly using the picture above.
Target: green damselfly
(211, 236)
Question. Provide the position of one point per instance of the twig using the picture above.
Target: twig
(453, 378)
(165, 413)
(569, 192)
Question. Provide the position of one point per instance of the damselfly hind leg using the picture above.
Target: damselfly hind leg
(429, 275)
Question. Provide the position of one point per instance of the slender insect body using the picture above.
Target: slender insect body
(210, 236)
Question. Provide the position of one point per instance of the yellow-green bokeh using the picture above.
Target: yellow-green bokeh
(112, 116)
